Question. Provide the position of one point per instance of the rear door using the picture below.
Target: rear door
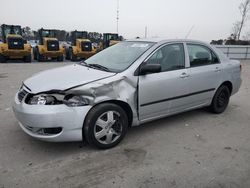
(204, 74)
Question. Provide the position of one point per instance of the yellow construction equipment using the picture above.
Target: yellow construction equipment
(110, 39)
(14, 46)
(81, 47)
(48, 47)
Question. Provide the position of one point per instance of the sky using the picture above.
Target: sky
(209, 19)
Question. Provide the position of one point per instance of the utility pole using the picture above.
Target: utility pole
(117, 18)
(146, 32)
(189, 32)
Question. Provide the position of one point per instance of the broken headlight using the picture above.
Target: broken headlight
(54, 99)
(43, 100)
(75, 100)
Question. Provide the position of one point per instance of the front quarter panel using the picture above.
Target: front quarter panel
(119, 87)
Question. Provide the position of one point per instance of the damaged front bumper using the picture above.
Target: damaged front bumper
(55, 123)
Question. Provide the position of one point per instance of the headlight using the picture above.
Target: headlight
(75, 100)
(55, 99)
(43, 100)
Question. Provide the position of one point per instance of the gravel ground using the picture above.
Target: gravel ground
(193, 149)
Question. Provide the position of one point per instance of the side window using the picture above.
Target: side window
(171, 57)
(200, 55)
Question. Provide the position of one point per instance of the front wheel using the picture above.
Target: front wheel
(27, 59)
(105, 125)
(220, 100)
(40, 57)
(73, 57)
(60, 58)
(3, 59)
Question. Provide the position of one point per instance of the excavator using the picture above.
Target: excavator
(48, 47)
(81, 47)
(13, 45)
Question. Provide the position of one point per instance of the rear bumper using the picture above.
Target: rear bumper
(33, 119)
(236, 85)
(16, 53)
(52, 53)
(84, 54)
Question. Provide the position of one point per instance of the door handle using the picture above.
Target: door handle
(184, 75)
(217, 69)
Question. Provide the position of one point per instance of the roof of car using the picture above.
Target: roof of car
(163, 40)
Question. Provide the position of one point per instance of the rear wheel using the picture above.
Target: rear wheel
(60, 58)
(220, 100)
(67, 55)
(34, 53)
(40, 57)
(27, 58)
(105, 125)
(72, 56)
(3, 59)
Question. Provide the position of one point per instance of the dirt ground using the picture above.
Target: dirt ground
(193, 149)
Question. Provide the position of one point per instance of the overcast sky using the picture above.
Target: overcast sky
(212, 19)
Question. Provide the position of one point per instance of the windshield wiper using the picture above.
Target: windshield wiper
(84, 63)
(94, 66)
(99, 67)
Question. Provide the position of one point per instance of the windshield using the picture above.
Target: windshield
(112, 37)
(79, 35)
(48, 33)
(12, 30)
(119, 57)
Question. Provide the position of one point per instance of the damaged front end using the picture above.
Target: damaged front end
(118, 88)
(58, 115)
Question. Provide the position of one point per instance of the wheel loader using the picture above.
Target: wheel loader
(110, 39)
(48, 47)
(14, 46)
(81, 47)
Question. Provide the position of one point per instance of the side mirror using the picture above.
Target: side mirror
(150, 68)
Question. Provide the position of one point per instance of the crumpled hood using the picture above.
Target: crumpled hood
(64, 78)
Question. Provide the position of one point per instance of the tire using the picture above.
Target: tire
(40, 57)
(60, 58)
(220, 100)
(3, 59)
(34, 53)
(112, 126)
(72, 56)
(67, 56)
(27, 59)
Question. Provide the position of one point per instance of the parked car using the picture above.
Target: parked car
(128, 84)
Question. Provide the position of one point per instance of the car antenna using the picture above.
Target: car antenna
(189, 32)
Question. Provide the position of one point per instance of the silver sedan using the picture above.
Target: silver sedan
(128, 84)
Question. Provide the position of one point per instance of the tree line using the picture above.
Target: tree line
(236, 37)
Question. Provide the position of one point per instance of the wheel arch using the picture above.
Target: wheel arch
(228, 84)
(125, 106)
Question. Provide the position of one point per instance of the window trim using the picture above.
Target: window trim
(136, 73)
(206, 47)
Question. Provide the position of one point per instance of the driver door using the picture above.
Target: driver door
(158, 92)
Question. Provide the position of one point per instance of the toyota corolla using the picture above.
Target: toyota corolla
(128, 84)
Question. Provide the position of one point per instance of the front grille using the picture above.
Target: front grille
(21, 94)
(52, 45)
(86, 46)
(15, 43)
